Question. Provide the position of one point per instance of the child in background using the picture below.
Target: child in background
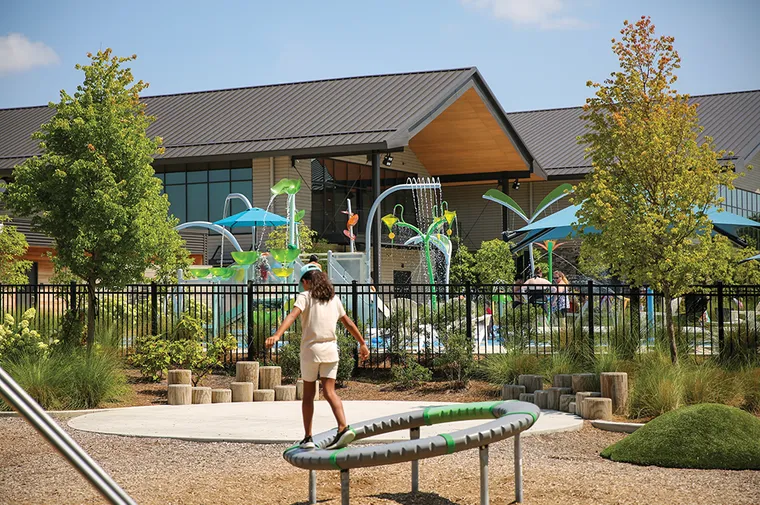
(320, 310)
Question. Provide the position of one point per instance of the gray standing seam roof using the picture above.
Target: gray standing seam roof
(359, 112)
(731, 119)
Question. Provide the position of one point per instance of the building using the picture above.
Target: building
(339, 135)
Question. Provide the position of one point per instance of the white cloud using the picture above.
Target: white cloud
(18, 53)
(545, 14)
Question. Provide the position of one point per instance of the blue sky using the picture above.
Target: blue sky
(534, 54)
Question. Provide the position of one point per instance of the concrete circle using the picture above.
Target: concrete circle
(273, 422)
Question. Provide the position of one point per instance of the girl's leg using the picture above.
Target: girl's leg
(307, 405)
(328, 389)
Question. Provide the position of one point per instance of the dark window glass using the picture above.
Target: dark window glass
(160, 176)
(218, 175)
(177, 202)
(175, 178)
(197, 202)
(217, 193)
(241, 174)
(193, 177)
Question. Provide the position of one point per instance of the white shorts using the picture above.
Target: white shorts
(311, 370)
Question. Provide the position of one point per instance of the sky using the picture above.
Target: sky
(534, 54)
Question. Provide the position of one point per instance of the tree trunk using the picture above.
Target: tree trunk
(90, 314)
(670, 327)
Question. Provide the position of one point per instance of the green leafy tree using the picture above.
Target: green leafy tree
(278, 238)
(494, 263)
(462, 269)
(93, 189)
(653, 179)
(13, 246)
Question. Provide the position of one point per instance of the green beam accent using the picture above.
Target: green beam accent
(450, 447)
(333, 457)
(290, 448)
(463, 412)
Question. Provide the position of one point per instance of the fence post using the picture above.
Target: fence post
(635, 302)
(591, 315)
(468, 309)
(249, 305)
(153, 308)
(355, 310)
(73, 296)
(721, 320)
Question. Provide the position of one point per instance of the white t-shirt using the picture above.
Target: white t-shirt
(318, 320)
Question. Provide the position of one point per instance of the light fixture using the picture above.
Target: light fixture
(516, 185)
(388, 160)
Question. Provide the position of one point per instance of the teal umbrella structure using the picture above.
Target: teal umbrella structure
(253, 217)
(559, 226)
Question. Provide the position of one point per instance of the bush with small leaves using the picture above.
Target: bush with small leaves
(410, 375)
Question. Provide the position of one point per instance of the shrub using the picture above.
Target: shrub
(657, 386)
(517, 327)
(73, 329)
(456, 361)
(494, 263)
(410, 375)
(290, 358)
(44, 379)
(346, 350)
(503, 369)
(18, 339)
(700, 436)
(559, 363)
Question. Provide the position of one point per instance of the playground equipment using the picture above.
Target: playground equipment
(508, 419)
(350, 223)
(554, 196)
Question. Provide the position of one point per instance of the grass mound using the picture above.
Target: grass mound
(701, 436)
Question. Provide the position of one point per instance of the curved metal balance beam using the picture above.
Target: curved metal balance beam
(213, 227)
(506, 419)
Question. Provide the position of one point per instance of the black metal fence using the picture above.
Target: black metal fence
(417, 319)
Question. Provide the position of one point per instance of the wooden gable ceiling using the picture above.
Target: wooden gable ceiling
(466, 139)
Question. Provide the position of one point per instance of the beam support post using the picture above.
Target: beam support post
(312, 487)
(344, 487)
(518, 471)
(483, 452)
(414, 434)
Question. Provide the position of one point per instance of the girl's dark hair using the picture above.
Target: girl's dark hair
(321, 288)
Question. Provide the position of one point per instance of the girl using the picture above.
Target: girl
(320, 310)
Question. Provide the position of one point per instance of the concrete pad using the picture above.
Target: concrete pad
(616, 426)
(278, 422)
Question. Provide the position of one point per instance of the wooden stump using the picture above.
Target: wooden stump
(528, 397)
(579, 399)
(563, 380)
(585, 382)
(564, 402)
(201, 395)
(511, 392)
(299, 390)
(597, 408)
(269, 377)
(180, 394)
(242, 391)
(554, 394)
(615, 386)
(221, 395)
(532, 383)
(263, 395)
(542, 398)
(247, 371)
(284, 393)
(180, 377)
(571, 407)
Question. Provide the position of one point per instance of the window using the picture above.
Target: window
(197, 191)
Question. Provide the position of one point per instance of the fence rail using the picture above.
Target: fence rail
(416, 319)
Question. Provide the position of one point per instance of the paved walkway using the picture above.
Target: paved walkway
(272, 422)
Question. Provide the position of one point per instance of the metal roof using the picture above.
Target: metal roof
(334, 115)
(731, 119)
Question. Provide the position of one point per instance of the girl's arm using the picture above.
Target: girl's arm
(354, 331)
(286, 323)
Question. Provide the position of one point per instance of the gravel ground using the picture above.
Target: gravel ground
(560, 468)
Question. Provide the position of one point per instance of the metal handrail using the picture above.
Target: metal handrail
(31, 411)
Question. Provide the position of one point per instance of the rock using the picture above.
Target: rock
(552, 402)
(284, 393)
(242, 391)
(263, 395)
(579, 397)
(201, 395)
(221, 395)
(542, 399)
(597, 408)
(564, 380)
(180, 377)
(269, 377)
(615, 387)
(528, 397)
(564, 402)
(571, 407)
(180, 394)
(511, 391)
(585, 382)
(299, 390)
(247, 371)
(532, 383)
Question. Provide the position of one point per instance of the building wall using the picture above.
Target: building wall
(398, 258)
(405, 161)
(478, 220)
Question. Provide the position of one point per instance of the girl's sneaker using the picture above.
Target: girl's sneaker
(342, 439)
(307, 443)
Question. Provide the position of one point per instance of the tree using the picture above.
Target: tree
(13, 246)
(462, 268)
(653, 179)
(278, 238)
(494, 263)
(93, 189)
